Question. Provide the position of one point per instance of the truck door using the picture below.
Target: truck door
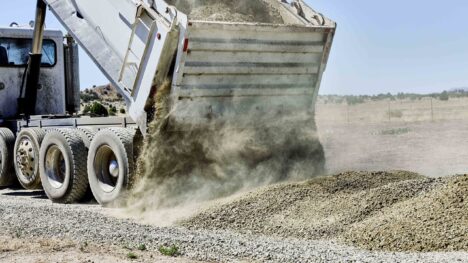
(14, 55)
(12, 67)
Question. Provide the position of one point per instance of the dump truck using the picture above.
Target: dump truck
(138, 45)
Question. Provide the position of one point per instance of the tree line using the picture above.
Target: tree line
(358, 99)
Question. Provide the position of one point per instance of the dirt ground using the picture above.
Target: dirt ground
(369, 143)
(428, 136)
(17, 250)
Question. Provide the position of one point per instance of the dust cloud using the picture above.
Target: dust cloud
(183, 167)
(181, 170)
(432, 148)
(428, 135)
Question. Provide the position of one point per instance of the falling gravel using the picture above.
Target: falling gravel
(392, 211)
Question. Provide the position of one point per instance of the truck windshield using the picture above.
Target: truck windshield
(14, 52)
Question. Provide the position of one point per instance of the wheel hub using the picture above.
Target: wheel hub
(26, 158)
(55, 167)
(114, 168)
(107, 168)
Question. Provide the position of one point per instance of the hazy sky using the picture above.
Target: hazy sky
(380, 46)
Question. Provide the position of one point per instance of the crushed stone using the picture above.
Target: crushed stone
(260, 11)
(436, 220)
(30, 216)
(390, 211)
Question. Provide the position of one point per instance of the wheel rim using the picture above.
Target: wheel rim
(106, 167)
(55, 167)
(26, 159)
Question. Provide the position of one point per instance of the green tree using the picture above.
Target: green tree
(112, 110)
(96, 109)
(444, 96)
(353, 100)
(88, 96)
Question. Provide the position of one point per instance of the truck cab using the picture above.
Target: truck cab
(58, 88)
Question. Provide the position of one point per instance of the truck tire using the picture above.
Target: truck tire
(26, 157)
(111, 164)
(62, 166)
(7, 142)
(87, 134)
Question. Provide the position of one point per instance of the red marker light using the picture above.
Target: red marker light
(186, 44)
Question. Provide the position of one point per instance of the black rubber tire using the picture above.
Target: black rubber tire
(119, 142)
(69, 187)
(35, 136)
(87, 134)
(7, 143)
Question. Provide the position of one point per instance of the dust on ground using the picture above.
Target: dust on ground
(261, 11)
(396, 211)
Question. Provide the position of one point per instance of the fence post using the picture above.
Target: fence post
(389, 113)
(432, 111)
(347, 112)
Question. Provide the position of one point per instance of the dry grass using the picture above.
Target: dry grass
(369, 141)
(400, 111)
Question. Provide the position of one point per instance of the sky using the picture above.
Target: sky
(380, 46)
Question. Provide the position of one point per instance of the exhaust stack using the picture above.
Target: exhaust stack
(27, 104)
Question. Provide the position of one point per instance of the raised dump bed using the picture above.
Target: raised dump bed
(270, 57)
(249, 56)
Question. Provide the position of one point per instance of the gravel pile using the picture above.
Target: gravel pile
(434, 221)
(398, 211)
(27, 215)
(260, 11)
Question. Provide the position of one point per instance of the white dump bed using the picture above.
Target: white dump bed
(219, 69)
(250, 59)
(232, 69)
